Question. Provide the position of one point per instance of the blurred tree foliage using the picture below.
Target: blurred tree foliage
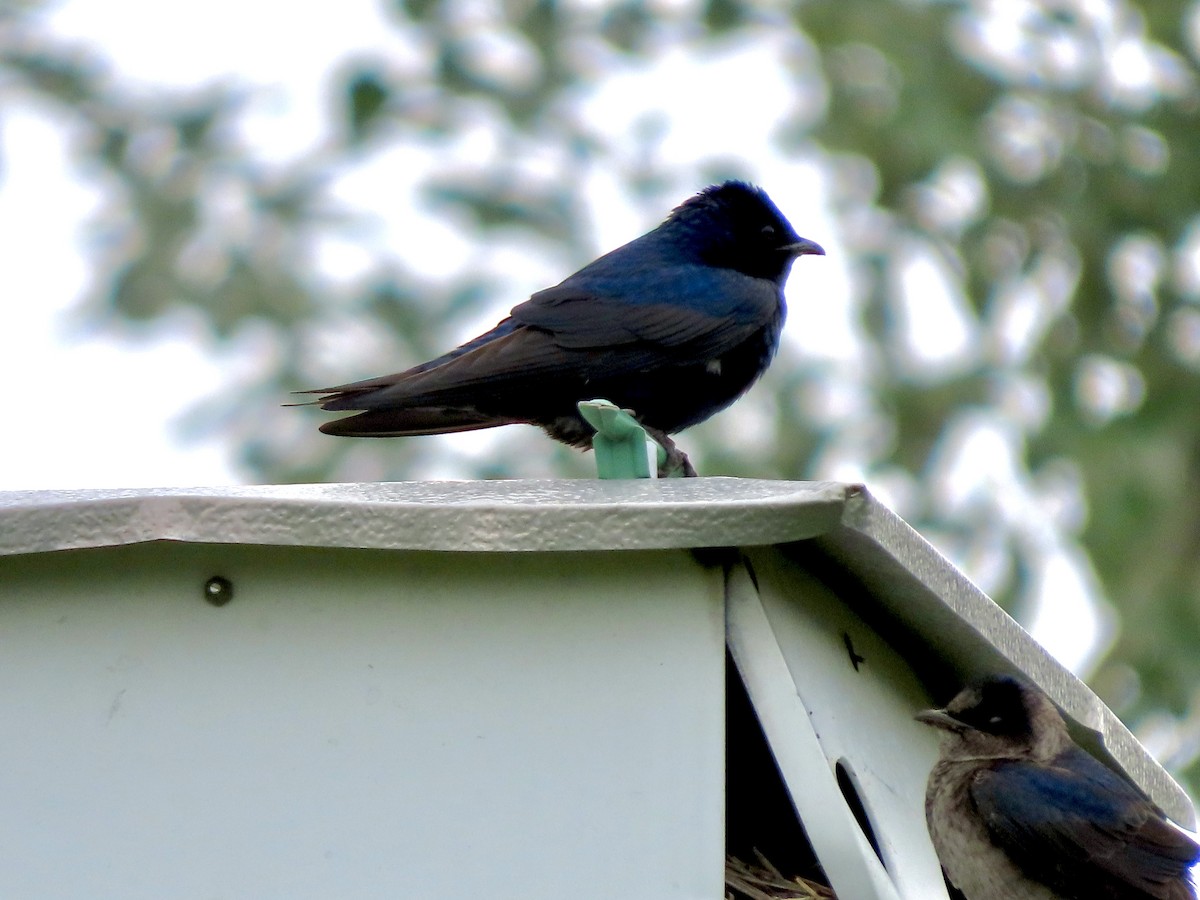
(1040, 160)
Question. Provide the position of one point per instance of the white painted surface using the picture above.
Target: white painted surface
(861, 717)
(840, 845)
(361, 724)
(488, 702)
(903, 577)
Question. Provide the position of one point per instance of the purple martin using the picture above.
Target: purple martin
(674, 326)
(1017, 810)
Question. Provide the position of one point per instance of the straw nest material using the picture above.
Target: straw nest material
(764, 882)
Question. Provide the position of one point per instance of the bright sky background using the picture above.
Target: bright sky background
(120, 400)
(102, 441)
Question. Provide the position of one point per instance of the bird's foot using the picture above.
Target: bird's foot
(674, 463)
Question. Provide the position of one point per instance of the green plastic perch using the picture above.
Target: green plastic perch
(620, 442)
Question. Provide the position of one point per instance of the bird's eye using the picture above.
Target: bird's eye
(995, 720)
(768, 231)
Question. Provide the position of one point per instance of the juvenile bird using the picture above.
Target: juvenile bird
(674, 326)
(1018, 811)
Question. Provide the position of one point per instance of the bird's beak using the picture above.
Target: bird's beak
(803, 247)
(939, 718)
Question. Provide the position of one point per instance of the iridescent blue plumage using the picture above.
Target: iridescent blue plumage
(674, 325)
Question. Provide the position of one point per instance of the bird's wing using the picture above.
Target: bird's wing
(696, 311)
(508, 351)
(1080, 828)
(680, 315)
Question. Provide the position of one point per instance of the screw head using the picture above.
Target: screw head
(218, 591)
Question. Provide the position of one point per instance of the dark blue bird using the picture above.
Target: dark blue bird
(674, 326)
(1017, 810)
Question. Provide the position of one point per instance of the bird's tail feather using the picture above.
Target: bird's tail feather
(411, 422)
(351, 391)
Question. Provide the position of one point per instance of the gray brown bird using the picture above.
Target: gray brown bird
(674, 326)
(1018, 811)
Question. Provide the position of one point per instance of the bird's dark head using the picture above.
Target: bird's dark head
(736, 226)
(999, 717)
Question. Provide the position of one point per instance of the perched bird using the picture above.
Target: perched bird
(1017, 810)
(674, 326)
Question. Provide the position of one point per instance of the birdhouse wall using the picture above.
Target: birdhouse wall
(361, 723)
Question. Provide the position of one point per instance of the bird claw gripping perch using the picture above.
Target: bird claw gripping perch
(672, 462)
(620, 444)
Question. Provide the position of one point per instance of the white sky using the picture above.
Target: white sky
(102, 412)
(77, 433)
(89, 413)
(99, 412)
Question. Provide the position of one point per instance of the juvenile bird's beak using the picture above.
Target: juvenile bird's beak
(803, 247)
(939, 718)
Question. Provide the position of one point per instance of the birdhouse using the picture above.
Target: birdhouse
(527, 689)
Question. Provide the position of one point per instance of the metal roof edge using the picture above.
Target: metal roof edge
(448, 516)
(925, 592)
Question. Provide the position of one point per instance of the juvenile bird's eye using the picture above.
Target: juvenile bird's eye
(995, 720)
(768, 231)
